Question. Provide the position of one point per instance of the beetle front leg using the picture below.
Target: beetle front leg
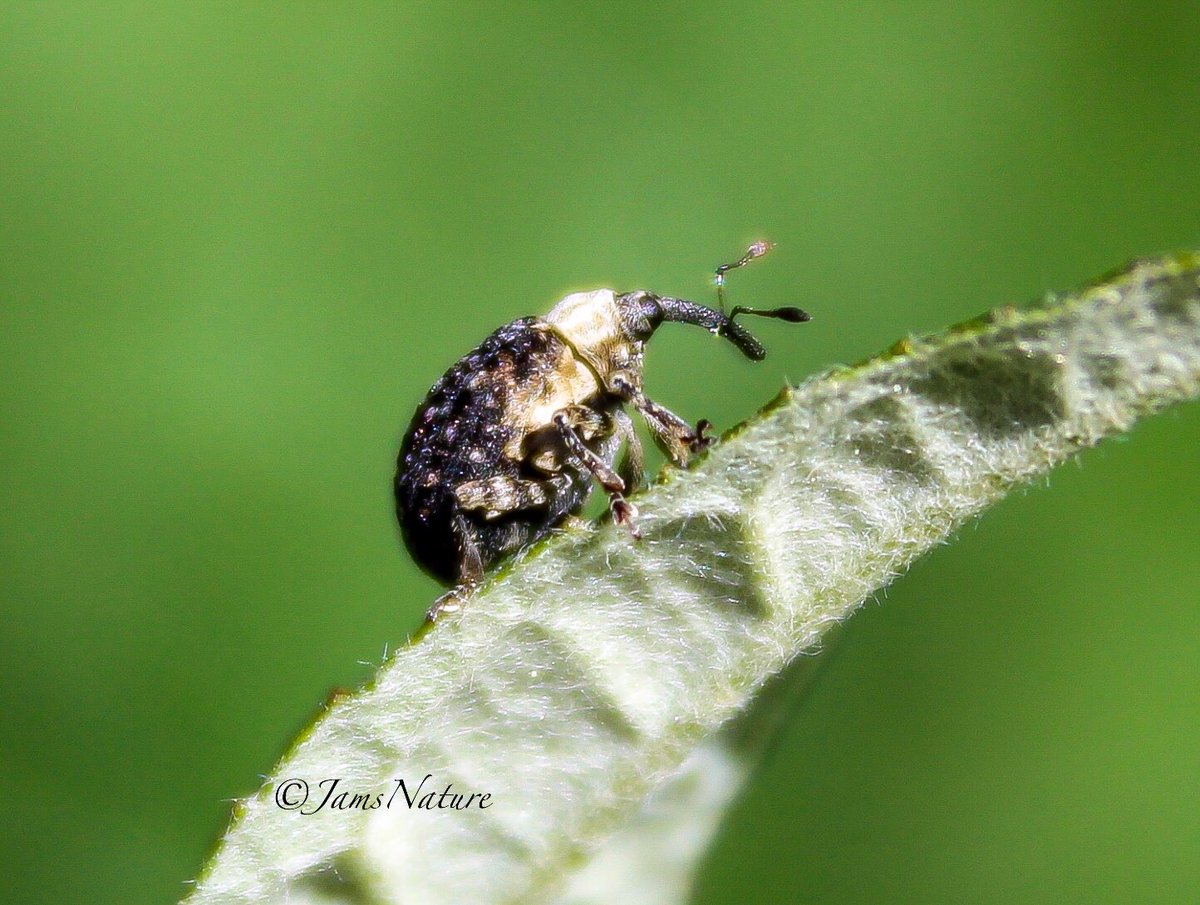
(624, 512)
(676, 436)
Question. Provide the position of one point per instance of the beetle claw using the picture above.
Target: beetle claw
(625, 513)
(697, 442)
(450, 602)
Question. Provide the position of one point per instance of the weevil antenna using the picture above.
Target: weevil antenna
(757, 250)
(789, 314)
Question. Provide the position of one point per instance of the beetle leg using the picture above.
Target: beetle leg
(633, 463)
(675, 435)
(609, 479)
(544, 448)
(470, 560)
(470, 571)
(499, 495)
(624, 513)
(587, 422)
(605, 433)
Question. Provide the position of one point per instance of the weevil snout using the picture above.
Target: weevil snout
(642, 312)
(647, 311)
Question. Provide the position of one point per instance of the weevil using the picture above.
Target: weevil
(511, 440)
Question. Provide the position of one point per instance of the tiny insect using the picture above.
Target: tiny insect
(511, 440)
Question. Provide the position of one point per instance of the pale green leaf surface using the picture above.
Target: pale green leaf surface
(583, 678)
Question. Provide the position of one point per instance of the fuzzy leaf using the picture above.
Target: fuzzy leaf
(581, 679)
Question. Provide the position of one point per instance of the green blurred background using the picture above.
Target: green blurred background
(239, 241)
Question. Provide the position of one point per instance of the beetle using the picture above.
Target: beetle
(510, 441)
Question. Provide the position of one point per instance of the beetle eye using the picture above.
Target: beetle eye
(640, 314)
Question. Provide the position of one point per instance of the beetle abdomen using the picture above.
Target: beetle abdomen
(459, 434)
